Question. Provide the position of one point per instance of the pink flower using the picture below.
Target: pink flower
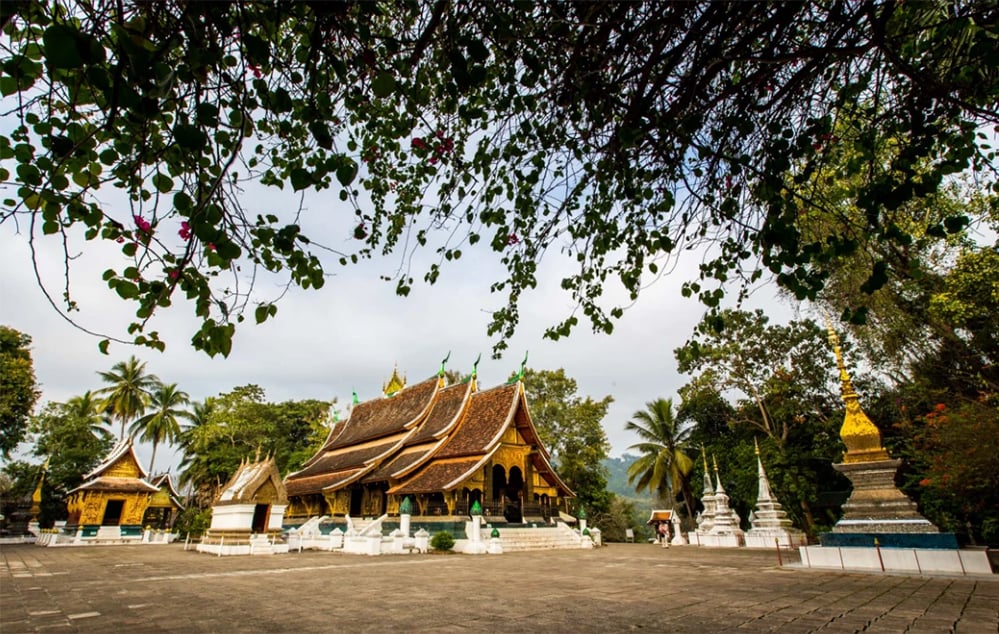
(419, 143)
(120, 239)
(185, 231)
(142, 224)
(174, 274)
(211, 246)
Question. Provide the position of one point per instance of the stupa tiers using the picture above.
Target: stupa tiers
(718, 524)
(443, 446)
(875, 505)
(113, 499)
(247, 516)
(770, 524)
(880, 528)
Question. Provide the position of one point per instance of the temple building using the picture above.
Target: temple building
(443, 446)
(114, 497)
(248, 514)
(164, 506)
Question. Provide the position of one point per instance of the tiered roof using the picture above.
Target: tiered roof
(423, 438)
(164, 483)
(120, 471)
(250, 479)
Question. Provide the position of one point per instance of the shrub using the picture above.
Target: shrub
(193, 521)
(442, 541)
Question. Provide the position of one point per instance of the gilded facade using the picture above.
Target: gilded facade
(115, 493)
(443, 446)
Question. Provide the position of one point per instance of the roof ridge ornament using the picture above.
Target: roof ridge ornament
(519, 376)
(396, 383)
(440, 373)
(861, 436)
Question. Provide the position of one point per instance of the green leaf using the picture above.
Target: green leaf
(300, 178)
(126, 290)
(162, 182)
(103, 346)
(62, 46)
(346, 172)
(383, 84)
(189, 137)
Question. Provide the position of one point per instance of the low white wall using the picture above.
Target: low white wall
(233, 516)
(917, 560)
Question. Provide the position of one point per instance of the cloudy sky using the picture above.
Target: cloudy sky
(349, 334)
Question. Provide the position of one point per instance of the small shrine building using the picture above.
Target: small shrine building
(443, 446)
(248, 513)
(114, 496)
(164, 505)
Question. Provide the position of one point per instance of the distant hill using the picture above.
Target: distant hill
(617, 479)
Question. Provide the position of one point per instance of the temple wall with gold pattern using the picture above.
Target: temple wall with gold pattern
(87, 507)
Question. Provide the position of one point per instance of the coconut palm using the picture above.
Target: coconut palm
(127, 394)
(162, 424)
(89, 407)
(662, 466)
(196, 466)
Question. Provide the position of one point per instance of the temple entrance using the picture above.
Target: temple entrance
(512, 510)
(436, 504)
(157, 517)
(356, 500)
(112, 513)
(260, 513)
(499, 482)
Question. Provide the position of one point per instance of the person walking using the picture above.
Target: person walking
(664, 534)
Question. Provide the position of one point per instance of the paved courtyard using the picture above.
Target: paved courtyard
(134, 589)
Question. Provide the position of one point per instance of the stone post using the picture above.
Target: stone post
(474, 531)
(495, 543)
(405, 515)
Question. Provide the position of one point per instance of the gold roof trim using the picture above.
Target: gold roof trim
(395, 384)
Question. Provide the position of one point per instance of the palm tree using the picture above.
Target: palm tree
(662, 464)
(163, 423)
(128, 393)
(89, 407)
(196, 467)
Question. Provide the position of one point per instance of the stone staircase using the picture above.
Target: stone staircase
(546, 538)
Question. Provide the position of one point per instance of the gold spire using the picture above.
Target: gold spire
(859, 434)
(36, 497)
(395, 382)
(756, 446)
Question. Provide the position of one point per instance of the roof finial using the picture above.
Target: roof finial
(396, 383)
(354, 393)
(756, 446)
(475, 373)
(519, 376)
(444, 361)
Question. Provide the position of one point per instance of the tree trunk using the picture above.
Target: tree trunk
(152, 459)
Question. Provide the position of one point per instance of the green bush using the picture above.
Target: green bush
(442, 541)
(193, 521)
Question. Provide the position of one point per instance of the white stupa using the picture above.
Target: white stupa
(771, 525)
(718, 524)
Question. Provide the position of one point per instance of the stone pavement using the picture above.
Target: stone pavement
(138, 589)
